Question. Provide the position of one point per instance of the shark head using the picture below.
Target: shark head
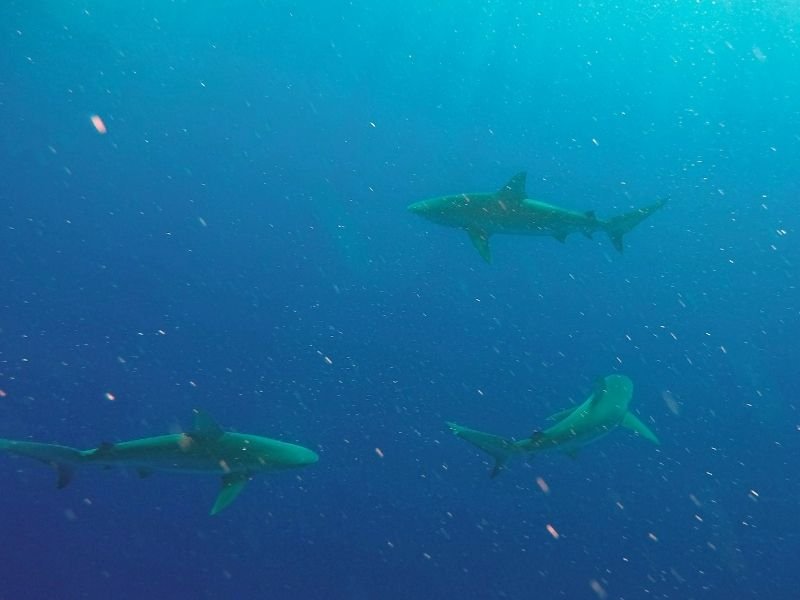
(617, 389)
(304, 457)
(273, 454)
(446, 210)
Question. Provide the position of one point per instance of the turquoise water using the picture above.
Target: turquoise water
(238, 240)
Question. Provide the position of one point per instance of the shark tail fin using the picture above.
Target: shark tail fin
(62, 458)
(618, 226)
(500, 448)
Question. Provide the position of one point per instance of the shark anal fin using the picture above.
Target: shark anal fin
(205, 428)
(480, 239)
(64, 474)
(560, 236)
(632, 422)
(573, 453)
(232, 485)
(514, 190)
(144, 472)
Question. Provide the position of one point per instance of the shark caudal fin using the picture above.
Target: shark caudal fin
(618, 226)
(62, 458)
(498, 447)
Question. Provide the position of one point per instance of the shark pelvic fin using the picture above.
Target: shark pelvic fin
(205, 428)
(514, 190)
(480, 239)
(103, 448)
(632, 422)
(232, 484)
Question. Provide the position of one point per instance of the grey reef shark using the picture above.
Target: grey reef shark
(206, 449)
(604, 410)
(507, 210)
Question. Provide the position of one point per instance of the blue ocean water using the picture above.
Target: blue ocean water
(238, 241)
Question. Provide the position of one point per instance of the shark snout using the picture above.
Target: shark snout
(307, 457)
(419, 208)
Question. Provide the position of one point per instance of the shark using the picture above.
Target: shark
(509, 211)
(606, 408)
(206, 449)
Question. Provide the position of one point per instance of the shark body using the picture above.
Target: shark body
(207, 449)
(604, 410)
(508, 211)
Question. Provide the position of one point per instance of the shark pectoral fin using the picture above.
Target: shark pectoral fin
(205, 428)
(480, 239)
(232, 484)
(514, 190)
(633, 423)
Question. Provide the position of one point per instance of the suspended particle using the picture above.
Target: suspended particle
(598, 589)
(543, 485)
(99, 125)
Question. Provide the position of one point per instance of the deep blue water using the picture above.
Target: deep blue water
(245, 217)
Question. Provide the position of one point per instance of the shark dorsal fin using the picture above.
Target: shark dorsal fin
(514, 190)
(205, 427)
